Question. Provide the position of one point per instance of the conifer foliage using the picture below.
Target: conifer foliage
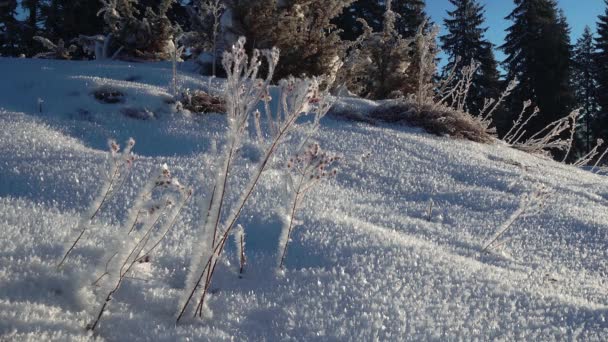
(601, 61)
(584, 84)
(464, 42)
(8, 28)
(147, 35)
(538, 55)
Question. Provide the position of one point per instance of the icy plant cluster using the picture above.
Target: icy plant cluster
(243, 92)
(304, 172)
(153, 214)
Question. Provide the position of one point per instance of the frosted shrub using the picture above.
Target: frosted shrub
(377, 63)
(305, 171)
(243, 93)
(149, 35)
(303, 30)
(120, 163)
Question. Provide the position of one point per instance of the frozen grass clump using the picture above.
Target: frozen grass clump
(436, 119)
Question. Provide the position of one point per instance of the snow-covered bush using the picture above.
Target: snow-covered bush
(148, 36)
(243, 92)
(310, 44)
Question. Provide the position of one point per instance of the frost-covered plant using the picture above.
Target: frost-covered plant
(549, 138)
(243, 93)
(456, 95)
(56, 51)
(529, 205)
(302, 29)
(148, 221)
(147, 36)
(99, 46)
(426, 51)
(587, 158)
(305, 171)
(377, 63)
(120, 164)
(517, 130)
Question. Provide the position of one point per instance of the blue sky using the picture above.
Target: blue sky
(578, 12)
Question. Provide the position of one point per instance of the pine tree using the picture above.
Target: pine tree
(66, 19)
(369, 10)
(9, 28)
(601, 63)
(584, 83)
(31, 27)
(410, 16)
(465, 40)
(538, 55)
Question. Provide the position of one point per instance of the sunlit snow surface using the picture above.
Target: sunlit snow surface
(364, 264)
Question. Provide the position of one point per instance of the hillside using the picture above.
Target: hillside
(367, 261)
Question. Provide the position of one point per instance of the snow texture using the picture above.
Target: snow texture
(365, 263)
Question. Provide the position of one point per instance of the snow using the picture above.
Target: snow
(365, 263)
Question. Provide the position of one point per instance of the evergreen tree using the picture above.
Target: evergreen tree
(584, 83)
(410, 16)
(601, 62)
(369, 10)
(9, 28)
(465, 40)
(31, 27)
(538, 55)
(66, 19)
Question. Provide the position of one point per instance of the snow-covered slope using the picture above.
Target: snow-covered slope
(365, 262)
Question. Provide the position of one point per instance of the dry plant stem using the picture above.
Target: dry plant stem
(291, 218)
(84, 229)
(134, 257)
(505, 228)
(242, 259)
(571, 140)
(171, 225)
